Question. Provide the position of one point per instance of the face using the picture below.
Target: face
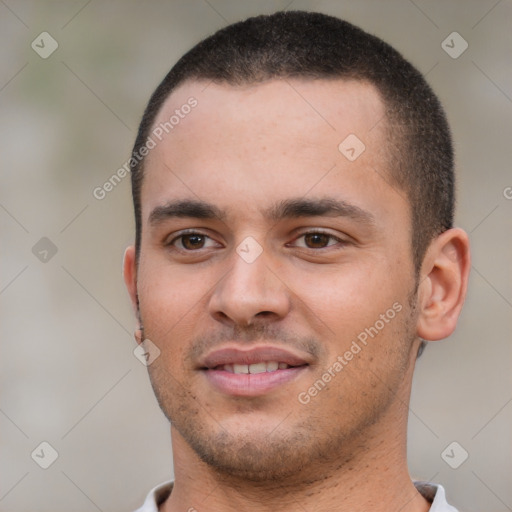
(275, 273)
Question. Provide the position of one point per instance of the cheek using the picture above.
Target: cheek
(365, 367)
(167, 288)
(170, 301)
(348, 298)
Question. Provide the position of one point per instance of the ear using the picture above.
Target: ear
(443, 284)
(130, 278)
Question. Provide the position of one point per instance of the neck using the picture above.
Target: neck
(370, 474)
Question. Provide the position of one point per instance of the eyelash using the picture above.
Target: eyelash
(182, 235)
(320, 232)
(338, 240)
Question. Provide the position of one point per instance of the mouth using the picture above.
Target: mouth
(255, 372)
(254, 368)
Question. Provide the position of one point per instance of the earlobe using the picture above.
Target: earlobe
(130, 277)
(443, 284)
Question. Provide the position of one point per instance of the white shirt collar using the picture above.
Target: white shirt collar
(431, 491)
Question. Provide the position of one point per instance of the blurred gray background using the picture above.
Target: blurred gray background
(68, 119)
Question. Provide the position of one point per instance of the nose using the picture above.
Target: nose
(250, 292)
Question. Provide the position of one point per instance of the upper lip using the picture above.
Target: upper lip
(236, 355)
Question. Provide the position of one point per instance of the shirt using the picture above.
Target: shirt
(431, 492)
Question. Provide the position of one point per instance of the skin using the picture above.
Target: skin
(244, 150)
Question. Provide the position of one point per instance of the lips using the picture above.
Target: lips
(237, 356)
(252, 372)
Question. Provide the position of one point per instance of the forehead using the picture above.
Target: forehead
(261, 140)
(340, 105)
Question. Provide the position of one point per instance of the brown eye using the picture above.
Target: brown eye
(191, 242)
(317, 240)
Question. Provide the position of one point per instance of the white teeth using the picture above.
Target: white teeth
(272, 366)
(241, 368)
(257, 368)
(269, 366)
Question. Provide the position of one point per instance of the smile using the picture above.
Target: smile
(269, 366)
(254, 372)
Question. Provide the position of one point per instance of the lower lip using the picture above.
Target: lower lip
(251, 384)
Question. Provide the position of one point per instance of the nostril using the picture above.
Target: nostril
(265, 313)
(223, 317)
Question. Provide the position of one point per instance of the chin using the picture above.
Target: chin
(256, 458)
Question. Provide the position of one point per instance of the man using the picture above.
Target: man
(293, 191)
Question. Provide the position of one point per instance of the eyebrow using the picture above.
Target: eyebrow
(185, 208)
(286, 209)
(324, 207)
